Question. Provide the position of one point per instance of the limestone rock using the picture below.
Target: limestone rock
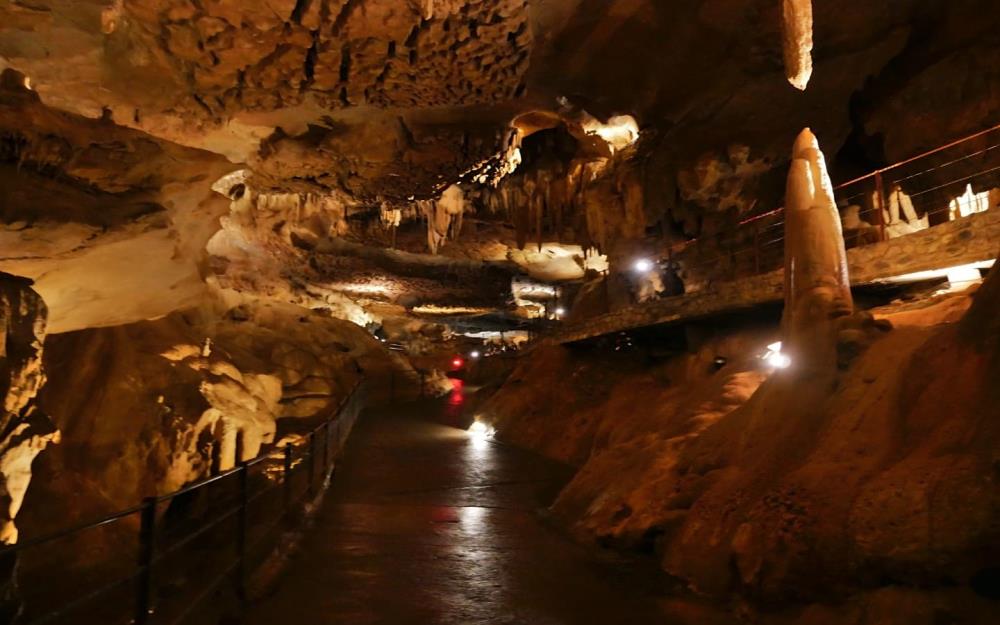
(24, 429)
(797, 41)
(168, 412)
(817, 285)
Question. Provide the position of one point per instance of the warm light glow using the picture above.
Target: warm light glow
(457, 396)
(619, 132)
(474, 354)
(963, 276)
(457, 362)
(525, 289)
(779, 361)
(774, 358)
(479, 431)
(969, 203)
(560, 311)
(431, 309)
(363, 288)
(957, 270)
(643, 265)
(558, 261)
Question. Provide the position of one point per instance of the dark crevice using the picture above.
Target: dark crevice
(309, 69)
(411, 40)
(345, 63)
(405, 132)
(301, 6)
(201, 102)
(345, 13)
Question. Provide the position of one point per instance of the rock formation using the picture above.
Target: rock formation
(817, 287)
(183, 397)
(444, 217)
(873, 499)
(111, 223)
(24, 429)
(224, 202)
(797, 41)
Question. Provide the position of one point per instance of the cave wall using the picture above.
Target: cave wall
(110, 223)
(343, 113)
(146, 408)
(25, 429)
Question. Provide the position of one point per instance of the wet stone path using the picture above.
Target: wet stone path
(424, 525)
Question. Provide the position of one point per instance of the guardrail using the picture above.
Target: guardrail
(917, 193)
(228, 524)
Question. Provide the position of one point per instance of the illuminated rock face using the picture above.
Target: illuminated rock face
(797, 40)
(817, 285)
(179, 398)
(444, 217)
(110, 223)
(24, 430)
(753, 481)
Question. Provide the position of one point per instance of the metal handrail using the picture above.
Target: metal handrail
(148, 555)
(920, 156)
(749, 226)
(69, 531)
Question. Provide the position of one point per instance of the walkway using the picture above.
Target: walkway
(972, 239)
(423, 525)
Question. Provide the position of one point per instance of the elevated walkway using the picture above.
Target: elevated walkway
(970, 239)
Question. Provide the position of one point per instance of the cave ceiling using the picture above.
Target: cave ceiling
(341, 125)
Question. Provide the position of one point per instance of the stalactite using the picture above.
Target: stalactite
(797, 40)
(441, 214)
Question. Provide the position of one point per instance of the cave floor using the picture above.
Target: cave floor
(424, 525)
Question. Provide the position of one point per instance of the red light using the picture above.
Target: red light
(457, 362)
(456, 398)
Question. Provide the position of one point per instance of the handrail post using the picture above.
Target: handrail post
(880, 201)
(326, 448)
(147, 550)
(241, 533)
(336, 441)
(756, 248)
(288, 476)
(312, 463)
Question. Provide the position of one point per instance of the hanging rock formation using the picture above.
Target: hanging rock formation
(444, 217)
(797, 40)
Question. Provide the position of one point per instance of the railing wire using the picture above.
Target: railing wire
(313, 458)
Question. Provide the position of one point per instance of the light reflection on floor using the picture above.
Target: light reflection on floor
(421, 526)
(455, 403)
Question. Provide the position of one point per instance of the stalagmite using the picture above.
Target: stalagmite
(817, 285)
(797, 39)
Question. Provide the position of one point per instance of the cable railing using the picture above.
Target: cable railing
(166, 557)
(938, 186)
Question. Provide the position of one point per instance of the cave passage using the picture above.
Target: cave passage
(423, 524)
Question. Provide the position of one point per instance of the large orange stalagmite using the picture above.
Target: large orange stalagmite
(817, 285)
